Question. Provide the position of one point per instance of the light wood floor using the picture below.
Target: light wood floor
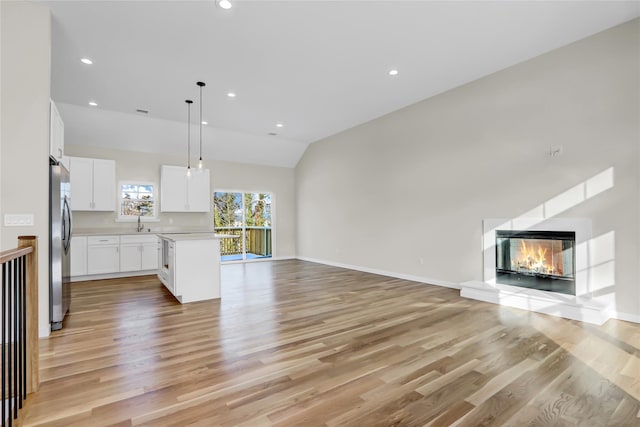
(294, 343)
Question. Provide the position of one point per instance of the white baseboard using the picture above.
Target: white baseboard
(44, 331)
(240, 261)
(410, 277)
(114, 275)
(628, 317)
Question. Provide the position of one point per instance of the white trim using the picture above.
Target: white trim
(627, 317)
(114, 275)
(265, 259)
(127, 218)
(131, 219)
(410, 277)
(44, 330)
(274, 208)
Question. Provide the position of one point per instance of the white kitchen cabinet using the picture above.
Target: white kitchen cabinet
(150, 256)
(173, 189)
(93, 184)
(81, 177)
(104, 185)
(129, 257)
(78, 256)
(103, 254)
(198, 191)
(179, 193)
(56, 133)
(138, 252)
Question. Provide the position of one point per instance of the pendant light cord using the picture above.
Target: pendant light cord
(189, 102)
(201, 85)
(200, 123)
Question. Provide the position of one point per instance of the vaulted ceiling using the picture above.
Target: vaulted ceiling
(315, 67)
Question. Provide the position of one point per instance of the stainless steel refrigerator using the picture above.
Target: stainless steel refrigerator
(59, 244)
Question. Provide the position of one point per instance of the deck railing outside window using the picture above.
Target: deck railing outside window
(257, 241)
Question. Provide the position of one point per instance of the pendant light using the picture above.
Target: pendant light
(189, 102)
(201, 85)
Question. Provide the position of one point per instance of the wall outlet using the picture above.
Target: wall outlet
(18, 220)
(556, 150)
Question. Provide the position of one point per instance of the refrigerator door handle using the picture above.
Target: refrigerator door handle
(67, 203)
(66, 225)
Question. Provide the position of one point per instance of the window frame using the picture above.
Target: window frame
(132, 218)
(273, 226)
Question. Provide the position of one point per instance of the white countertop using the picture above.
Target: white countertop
(175, 237)
(126, 231)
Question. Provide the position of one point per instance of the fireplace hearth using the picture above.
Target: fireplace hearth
(543, 260)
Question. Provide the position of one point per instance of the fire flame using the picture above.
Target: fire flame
(534, 258)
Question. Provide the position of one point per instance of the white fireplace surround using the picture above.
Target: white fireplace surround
(579, 307)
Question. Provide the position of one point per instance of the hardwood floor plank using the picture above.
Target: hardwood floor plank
(294, 343)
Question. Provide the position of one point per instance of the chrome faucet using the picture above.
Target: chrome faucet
(140, 225)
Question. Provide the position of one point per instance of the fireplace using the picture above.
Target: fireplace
(543, 260)
(551, 272)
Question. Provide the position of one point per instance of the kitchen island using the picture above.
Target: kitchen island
(189, 265)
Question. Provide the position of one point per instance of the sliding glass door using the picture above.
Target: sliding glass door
(248, 216)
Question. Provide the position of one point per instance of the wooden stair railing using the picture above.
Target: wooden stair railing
(19, 326)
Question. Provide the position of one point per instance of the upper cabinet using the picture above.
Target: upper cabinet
(179, 193)
(56, 134)
(93, 184)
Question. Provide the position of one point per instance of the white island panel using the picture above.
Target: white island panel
(190, 266)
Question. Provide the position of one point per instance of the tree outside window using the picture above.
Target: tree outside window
(137, 199)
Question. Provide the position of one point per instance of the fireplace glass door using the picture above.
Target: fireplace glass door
(543, 260)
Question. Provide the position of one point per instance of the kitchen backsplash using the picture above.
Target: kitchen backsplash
(166, 221)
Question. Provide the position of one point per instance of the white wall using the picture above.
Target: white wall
(24, 135)
(407, 193)
(131, 165)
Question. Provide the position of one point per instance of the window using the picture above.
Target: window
(247, 215)
(137, 199)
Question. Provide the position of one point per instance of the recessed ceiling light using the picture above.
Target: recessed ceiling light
(279, 125)
(231, 95)
(393, 72)
(225, 4)
(86, 61)
(93, 103)
(204, 122)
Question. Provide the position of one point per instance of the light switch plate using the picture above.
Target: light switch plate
(18, 220)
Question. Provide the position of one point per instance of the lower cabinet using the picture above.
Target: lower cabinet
(103, 254)
(138, 253)
(129, 257)
(113, 254)
(150, 255)
(78, 256)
